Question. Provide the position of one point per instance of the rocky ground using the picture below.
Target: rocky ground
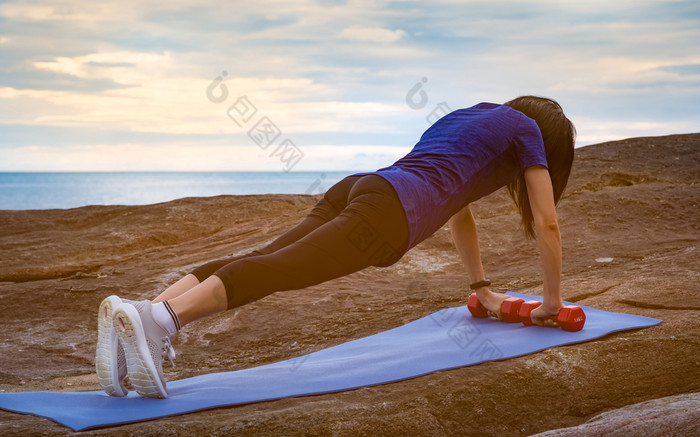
(635, 201)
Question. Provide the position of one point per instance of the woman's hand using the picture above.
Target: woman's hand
(541, 316)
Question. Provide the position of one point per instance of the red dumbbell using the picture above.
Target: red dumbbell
(525, 310)
(476, 308)
(509, 308)
(570, 318)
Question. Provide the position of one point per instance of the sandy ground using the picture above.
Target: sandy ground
(635, 201)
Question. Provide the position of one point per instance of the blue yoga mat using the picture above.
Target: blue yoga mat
(447, 339)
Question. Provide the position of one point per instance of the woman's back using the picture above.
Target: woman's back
(464, 156)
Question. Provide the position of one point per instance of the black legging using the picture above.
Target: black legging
(358, 223)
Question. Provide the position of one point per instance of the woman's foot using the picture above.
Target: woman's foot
(110, 361)
(492, 301)
(145, 343)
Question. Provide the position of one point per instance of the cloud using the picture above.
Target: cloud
(123, 67)
(682, 69)
(372, 34)
(155, 102)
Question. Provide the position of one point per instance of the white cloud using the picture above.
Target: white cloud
(26, 12)
(69, 11)
(122, 67)
(372, 34)
(77, 11)
(178, 105)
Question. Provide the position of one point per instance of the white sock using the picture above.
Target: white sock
(164, 315)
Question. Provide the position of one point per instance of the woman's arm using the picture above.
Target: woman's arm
(464, 235)
(539, 190)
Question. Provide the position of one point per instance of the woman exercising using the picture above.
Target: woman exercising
(370, 219)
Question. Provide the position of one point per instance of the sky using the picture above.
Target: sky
(185, 85)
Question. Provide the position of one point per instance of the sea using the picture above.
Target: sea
(26, 190)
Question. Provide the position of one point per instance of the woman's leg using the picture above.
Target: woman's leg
(183, 285)
(330, 205)
(371, 230)
(205, 299)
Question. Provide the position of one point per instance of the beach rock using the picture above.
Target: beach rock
(633, 203)
(670, 416)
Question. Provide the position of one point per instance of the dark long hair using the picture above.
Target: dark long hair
(559, 135)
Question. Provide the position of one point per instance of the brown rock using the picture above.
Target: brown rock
(670, 416)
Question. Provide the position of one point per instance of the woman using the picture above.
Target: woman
(370, 219)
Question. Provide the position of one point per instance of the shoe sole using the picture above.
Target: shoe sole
(139, 363)
(107, 349)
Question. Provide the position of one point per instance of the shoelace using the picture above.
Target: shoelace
(168, 350)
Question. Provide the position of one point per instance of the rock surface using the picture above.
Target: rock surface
(630, 230)
(672, 415)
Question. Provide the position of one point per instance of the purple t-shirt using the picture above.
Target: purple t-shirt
(467, 154)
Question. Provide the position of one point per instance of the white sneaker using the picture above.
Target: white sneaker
(110, 362)
(145, 344)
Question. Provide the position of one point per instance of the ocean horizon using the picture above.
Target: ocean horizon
(62, 190)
